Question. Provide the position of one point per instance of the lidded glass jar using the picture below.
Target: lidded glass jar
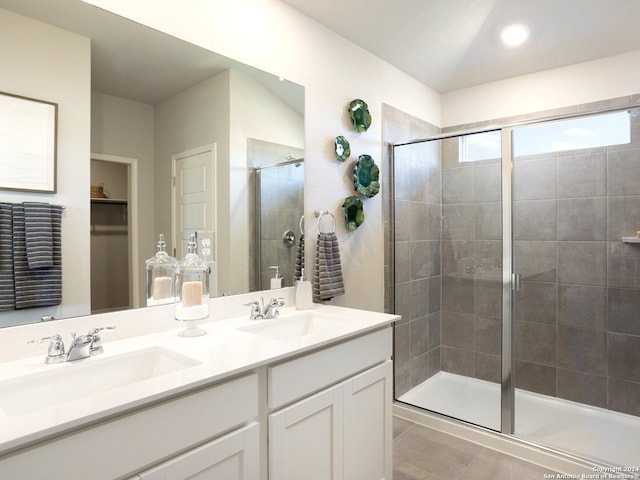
(192, 286)
(160, 273)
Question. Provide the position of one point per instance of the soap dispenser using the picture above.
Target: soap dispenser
(276, 281)
(192, 285)
(303, 294)
(160, 273)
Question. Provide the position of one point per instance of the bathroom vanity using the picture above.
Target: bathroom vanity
(305, 395)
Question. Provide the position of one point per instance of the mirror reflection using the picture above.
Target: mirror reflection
(279, 207)
(179, 136)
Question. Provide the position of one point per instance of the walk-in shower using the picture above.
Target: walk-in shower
(516, 269)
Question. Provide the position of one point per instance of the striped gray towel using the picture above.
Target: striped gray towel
(43, 286)
(7, 296)
(38, 234)
(299, 267)
(327, 275)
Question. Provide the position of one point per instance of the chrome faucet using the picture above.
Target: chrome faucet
(268, 311)
(82, 346)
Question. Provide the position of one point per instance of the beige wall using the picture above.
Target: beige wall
(60, 73)
(578, 84)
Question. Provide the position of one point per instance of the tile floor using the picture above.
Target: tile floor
(421, 453)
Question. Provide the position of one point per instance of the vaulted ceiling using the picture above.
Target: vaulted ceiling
(453, 44)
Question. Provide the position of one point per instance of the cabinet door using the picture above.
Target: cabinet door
(235, 456)
(305, 439)
(368, 432)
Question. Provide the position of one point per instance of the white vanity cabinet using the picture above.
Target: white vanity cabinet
(339, 426)
(133, 442)
(322, 412)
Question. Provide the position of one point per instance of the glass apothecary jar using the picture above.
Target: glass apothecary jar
(160, 272)
(192, 287)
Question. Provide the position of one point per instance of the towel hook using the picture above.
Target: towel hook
(322, 213)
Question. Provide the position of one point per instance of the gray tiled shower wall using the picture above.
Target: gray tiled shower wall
(417, 288)
(577, 318)
(282, 206)
(578, 314)
(418, 253)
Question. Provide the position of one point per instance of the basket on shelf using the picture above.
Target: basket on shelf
(98, 192)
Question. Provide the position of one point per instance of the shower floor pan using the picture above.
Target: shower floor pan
(591, 432)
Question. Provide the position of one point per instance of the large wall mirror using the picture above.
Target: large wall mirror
(171, 121)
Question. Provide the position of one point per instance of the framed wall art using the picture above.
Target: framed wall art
(28, 144)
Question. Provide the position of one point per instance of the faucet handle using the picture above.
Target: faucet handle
(277, 302)
(255, 310)
(271, 310)
(94, 331)
(96, 341)
(55, 352)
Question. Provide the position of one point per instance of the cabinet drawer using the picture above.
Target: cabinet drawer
(302, 376)
(140, 439)
(235, 456)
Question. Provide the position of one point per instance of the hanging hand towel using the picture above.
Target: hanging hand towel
(38, 235)
(7, 296)
(299, 267)
(327, 275)
(43, 286)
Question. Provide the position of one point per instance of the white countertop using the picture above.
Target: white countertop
(223, 352)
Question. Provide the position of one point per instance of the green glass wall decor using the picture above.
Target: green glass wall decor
(353, 212)
(359, 111)
(366, 176)
(343, 149)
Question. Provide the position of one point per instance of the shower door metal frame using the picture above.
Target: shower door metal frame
(509, 278)
(509, 284)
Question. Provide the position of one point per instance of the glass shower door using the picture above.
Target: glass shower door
(448, 276)
(576, 334)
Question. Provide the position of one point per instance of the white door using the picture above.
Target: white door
(305, 439)
(233, 457)
(368, 427)
(194, 204)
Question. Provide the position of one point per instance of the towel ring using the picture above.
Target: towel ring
(321, 214)
(302, 225)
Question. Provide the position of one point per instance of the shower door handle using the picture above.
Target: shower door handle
(515, 282)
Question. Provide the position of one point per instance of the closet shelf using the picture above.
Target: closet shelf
(115, 201)
(631, 239)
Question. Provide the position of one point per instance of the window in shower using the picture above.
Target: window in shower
(480, 146)
(573, 134)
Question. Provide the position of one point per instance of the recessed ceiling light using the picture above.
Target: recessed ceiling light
(514, 35)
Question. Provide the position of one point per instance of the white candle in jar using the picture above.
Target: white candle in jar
(162, 287)
(191, 294)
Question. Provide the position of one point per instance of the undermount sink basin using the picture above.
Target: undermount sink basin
(304, 325)
(72, 381)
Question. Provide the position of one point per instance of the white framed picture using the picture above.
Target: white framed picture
(28, 144)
